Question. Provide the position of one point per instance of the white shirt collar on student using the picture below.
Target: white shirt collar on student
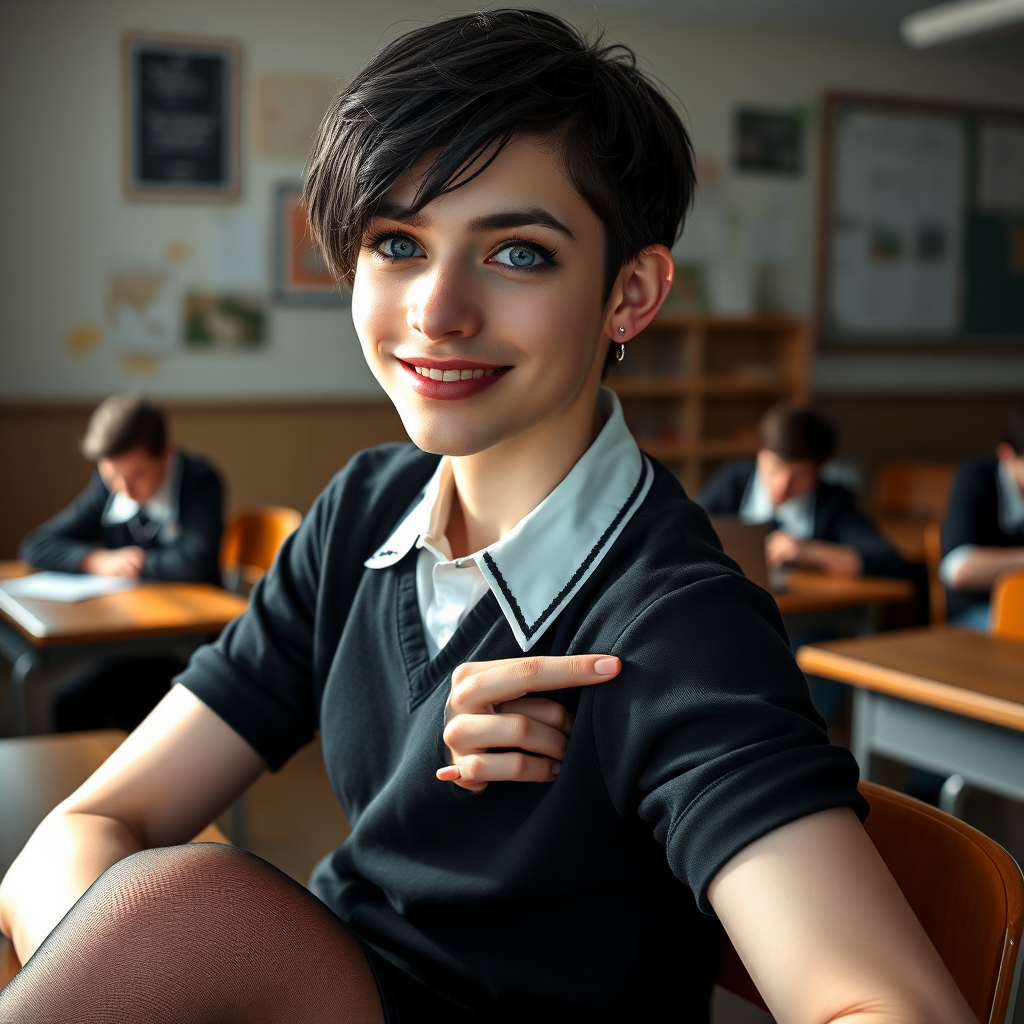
(539, 565)
(161, 508)
(795, 516)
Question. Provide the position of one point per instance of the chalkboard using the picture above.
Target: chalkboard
(922, 225)
(181, 123)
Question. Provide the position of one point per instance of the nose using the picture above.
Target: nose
(444, 306)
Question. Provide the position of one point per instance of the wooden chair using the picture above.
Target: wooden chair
(36, 774)
(966, 890)
(907, 496)
(251, 542)
(1007, 616)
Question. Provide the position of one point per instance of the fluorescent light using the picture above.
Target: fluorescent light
(959, 20)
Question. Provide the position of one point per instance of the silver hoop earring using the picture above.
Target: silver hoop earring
(620, 352)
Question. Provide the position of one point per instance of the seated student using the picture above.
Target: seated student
(816, 524)
(569, 735)
(149, 511)
(983, 533)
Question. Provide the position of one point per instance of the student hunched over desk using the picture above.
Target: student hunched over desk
(568, 733)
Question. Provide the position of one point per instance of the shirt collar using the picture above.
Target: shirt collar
(795, 516)
(536, 569)
(162, 507)
(1011, 501)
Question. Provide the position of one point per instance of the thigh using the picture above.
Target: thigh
(200, 933)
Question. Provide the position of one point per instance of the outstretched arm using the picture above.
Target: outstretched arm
(172, 776)
(825, 932)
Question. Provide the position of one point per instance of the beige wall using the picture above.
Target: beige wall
(64, 222)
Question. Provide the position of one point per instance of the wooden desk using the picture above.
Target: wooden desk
(948, 700)
(814, 592)
(36, 773)
(152, 618)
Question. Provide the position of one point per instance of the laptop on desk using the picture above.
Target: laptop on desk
(744, 544)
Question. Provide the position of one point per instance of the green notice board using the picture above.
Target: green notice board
(922, 227)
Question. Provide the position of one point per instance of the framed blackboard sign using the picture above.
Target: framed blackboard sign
(922, 226)
(180, 118)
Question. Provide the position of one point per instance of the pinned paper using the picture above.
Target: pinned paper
(82, 339)
(142, 308)
(238, 256)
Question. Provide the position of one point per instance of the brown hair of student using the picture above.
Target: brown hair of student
(795, 433)
(1013, 432)
(122, 423)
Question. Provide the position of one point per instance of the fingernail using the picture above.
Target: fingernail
(450, 774)
(556, 767)
(606, 666)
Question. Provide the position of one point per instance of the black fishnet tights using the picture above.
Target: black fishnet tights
(190, 935)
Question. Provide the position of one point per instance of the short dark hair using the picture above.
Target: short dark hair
(121, 423)
(1013, 431)
(796, 433)
(467, 86)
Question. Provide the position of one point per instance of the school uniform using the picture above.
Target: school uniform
(179, 528)
(827, 512)
(585, 898)
(986, 509)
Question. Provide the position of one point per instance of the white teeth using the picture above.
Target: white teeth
(447, 375)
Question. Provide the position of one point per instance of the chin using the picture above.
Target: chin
(452, 435)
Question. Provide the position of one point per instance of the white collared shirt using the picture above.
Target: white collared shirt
(795, 516)
(536, 568)
(161, 508)
(1011, 517)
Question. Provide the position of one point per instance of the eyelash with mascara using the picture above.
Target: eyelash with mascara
(373, 244)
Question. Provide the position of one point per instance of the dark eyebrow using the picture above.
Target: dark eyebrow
(492, 222)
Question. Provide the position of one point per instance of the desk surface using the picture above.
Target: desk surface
(813, 591)
(151, 609)
(957, 670)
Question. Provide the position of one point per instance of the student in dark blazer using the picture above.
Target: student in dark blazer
(983, 533)
(816, 524)
(150, 511)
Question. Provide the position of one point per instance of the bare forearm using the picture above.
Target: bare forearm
(978, 571)
(834, 559)
(65, 855)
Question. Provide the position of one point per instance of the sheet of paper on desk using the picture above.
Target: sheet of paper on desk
(64, 586)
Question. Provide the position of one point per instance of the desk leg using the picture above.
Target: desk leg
(19, 696)
(862, 729)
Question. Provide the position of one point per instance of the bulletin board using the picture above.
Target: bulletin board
(921, 226)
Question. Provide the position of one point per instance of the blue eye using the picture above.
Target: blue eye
(517, 256)
(398, 247)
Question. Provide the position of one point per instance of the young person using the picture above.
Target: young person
(983, 533)
(567, 731)
(150, 511)
(815, 523)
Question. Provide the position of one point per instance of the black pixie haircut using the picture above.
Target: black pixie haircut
(466, 87)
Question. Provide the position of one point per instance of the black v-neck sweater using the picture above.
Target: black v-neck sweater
(577, 899)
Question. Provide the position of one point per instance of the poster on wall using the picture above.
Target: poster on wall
(180, 135)
(301, 276)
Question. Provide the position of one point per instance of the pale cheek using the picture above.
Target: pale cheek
(373, 313)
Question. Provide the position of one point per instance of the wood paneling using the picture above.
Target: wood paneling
(271, 452)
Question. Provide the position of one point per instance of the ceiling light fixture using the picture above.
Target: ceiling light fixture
(962, 19)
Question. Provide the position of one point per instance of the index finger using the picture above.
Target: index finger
(477, 685)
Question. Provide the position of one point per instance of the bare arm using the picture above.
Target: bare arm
(825, 932)
(835, 559)
(179, 769)
(979, 570)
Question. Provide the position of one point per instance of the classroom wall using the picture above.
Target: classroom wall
(66, 223)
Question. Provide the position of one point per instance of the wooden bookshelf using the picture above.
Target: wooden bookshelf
(693, 387)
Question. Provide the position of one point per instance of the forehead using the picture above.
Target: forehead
(528, 173)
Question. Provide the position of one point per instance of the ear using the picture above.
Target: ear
(638, 293)
(1005, 452)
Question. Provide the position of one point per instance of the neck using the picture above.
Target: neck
(495, 489)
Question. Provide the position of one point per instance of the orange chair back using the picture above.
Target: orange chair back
(932, 560)
(253, 538)
(1007, 617)
(913, 490)
(966, 890)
